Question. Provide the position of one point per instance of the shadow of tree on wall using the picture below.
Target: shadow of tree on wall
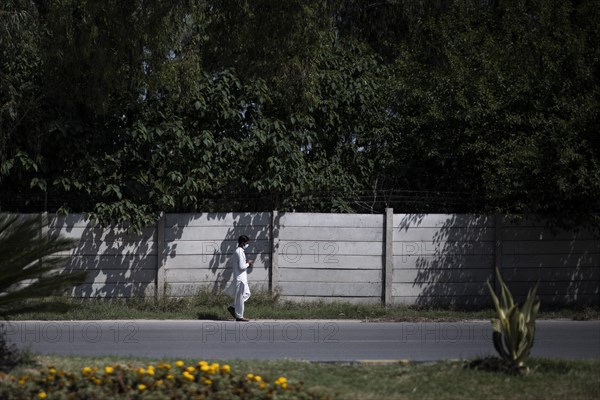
(124, 264)
(566, 263)
(118, 263)
(212, 246)
(439, 259)
(446, 260)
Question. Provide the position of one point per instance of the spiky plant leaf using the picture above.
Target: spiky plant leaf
(499, 346)
(507, 299)
(514, 330)
(27, 272)
(497, 305)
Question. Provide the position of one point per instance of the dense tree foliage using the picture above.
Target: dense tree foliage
(125, 109)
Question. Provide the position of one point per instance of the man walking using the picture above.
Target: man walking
(239, 289)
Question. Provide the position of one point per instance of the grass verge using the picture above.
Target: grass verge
(262, 305)
(548, 379)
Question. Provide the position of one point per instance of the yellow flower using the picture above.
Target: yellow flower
(86, 371)
(188, 376)
(201, 363)
(190, 369)
(42, 395)
(250, 377)
(158, 382)
(280, 380)
(213, 368)
(257, 378)
(263, 385)
(226, 369)
(170, 377)
(52, 371)
(204, 368)
(141, 371)
(179, 363)
(108, 370)
(141, 386)
(150, 370)
(97, 381)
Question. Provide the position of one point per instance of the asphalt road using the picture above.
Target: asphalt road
(305, 340)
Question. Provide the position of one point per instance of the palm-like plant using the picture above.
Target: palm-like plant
(514, 330)
(29, 267)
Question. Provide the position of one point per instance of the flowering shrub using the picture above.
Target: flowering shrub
(160, 381)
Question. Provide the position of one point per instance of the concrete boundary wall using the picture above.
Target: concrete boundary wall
(361, 258)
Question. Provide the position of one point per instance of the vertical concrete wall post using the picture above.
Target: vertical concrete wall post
(388, 261)
(498, 222)
(274, 234)
(43, 232)
(161, 255)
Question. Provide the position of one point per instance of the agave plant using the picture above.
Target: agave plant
(514, 330)
(27, 272)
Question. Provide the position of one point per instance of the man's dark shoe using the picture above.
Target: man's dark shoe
(231, 311)
(242, 319)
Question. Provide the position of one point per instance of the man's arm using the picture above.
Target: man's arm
(243, 264)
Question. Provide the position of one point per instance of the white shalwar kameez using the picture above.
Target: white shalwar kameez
(239, 289)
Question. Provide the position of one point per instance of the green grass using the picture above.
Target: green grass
(262, 305)
(548, 379)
